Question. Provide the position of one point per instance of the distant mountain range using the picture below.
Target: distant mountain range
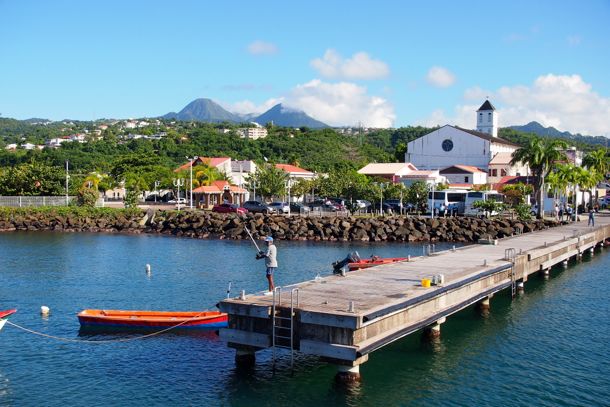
(540, 130)
(206, 110)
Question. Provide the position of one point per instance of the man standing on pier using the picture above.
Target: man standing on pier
(270, 260)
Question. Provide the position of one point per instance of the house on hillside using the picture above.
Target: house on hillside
(254, 132)
(449, 145)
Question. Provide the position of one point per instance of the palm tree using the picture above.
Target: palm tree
(540, 155)
(597, 161)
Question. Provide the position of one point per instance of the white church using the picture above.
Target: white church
(452, 145)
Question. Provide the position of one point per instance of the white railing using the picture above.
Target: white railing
(33, 201)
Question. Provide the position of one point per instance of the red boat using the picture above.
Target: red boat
(354, 262)
(373, 261)
(96, 318)
(4, 316)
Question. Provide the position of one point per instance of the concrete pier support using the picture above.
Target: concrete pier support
(433, 332)
(564, 263)
(245, 357)
(348, 374)
(545, 273)
(592, 251)
(520, 287)
(484, 304)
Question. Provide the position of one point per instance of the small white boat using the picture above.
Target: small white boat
(4, 316)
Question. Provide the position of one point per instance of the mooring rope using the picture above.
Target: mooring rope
(103, 341)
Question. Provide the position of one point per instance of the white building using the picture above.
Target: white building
(450, 145)
(500, 166)
(391, 171)
(464, 175)
(255, 132)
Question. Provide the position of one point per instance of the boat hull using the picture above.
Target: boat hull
(366, 263)
(152, 320)
(4, 316)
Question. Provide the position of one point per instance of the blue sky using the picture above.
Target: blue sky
(383, 63)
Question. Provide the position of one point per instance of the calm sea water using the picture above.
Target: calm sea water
(548, 347)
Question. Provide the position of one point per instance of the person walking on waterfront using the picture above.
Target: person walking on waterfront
(591, 217)
(270, 261)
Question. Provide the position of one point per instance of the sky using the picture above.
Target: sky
(378, 64)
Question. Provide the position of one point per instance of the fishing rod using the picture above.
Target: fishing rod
(252, 238)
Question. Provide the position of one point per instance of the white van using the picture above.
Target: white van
(473, 196)
(453, 200)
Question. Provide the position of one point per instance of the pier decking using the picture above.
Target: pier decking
(343, 319)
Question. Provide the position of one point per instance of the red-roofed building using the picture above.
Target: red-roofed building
(295, 172)
(206, 196)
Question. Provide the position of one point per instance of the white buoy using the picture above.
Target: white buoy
(147, 268)
(44, 310)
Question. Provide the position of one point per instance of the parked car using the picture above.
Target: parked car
(257, 207)
(177, 201)
(296, 207)
(604, 201)
(387, 208)
(362, 203)
(280, 207)
(395, 204)
(321, 205)
(153, 198)
(339, 203)
(229, 208)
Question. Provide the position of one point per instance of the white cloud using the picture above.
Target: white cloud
(359, 66)
(565, 102)
(440, 77)
(262, 48)
(339, 104)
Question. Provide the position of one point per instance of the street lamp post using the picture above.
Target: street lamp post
(178, 182)
(156, 189)
(191, 171)
(254, 186)
(432, 211)
(288, 186)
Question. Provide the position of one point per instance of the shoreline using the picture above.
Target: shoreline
(210, 225)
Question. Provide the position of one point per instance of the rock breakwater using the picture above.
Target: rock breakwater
(231, 226)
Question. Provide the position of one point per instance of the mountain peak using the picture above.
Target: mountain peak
(204, 110)
(289, 117)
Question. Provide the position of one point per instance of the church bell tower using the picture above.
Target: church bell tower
(487, 119)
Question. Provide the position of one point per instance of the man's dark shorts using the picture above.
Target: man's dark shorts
(270, 270)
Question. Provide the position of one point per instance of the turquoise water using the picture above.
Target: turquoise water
(548, 347)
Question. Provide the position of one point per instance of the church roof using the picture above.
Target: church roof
(486, 136)
(460, 169)
(486, 106)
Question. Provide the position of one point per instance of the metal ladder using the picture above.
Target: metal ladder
(280, 332)
(510, 255)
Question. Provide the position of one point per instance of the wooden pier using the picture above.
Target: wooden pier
(343, 319)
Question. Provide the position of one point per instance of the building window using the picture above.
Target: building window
(494, 172)
(480, 117)
(503, 172)
(466, 180)
(489, 172)
(489, 117)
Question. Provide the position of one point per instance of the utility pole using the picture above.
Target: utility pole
(178, 182)
(191, 168)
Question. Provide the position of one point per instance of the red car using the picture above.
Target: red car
(228, 208)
